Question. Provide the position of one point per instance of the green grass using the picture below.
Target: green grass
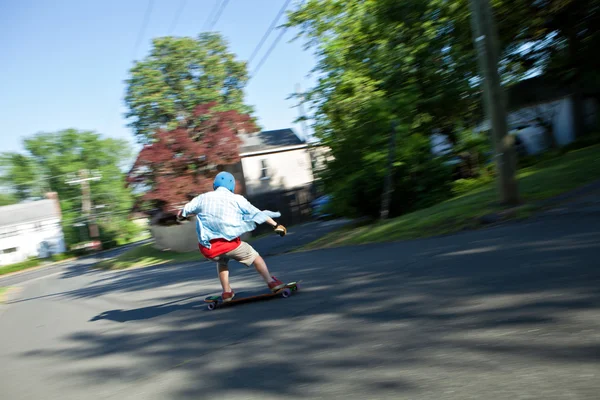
(541, 181)
(146, 255)
(7, 269)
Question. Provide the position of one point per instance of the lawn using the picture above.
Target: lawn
(7, 269)
(146, 255)
(541, 181)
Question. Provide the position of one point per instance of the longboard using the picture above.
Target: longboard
(285, 292)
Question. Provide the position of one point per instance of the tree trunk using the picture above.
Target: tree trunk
(486, 43)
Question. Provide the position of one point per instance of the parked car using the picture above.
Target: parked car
(319, 207)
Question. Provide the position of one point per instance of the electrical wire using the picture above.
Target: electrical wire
(217, 15)
(267, 54)
(145, 21)
(269, 30)
(177, 15)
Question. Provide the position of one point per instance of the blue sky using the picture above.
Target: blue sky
(64, 61)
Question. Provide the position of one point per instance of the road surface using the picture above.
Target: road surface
(511, 312)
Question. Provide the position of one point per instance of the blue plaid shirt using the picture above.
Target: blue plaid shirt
(222, 214)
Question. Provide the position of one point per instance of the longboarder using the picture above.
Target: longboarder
(221, 218)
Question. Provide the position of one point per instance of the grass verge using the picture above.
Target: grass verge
(7, 269)
(547, 179)
(146, 255)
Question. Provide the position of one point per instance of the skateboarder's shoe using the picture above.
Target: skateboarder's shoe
(228, 296)
(276, 284)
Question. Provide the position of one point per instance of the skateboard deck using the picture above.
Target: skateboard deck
(285, 292)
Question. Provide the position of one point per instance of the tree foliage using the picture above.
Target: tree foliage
(177, 76)
(183, 161)
(384, 61)
(414, 62)
(52, 158)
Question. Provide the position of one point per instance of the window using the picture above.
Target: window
(264, 173)
(10, 250)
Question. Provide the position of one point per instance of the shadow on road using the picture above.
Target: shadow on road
(374, 321)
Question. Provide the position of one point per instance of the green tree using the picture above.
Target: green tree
(180, 74)
(379, 61)
(52, 159)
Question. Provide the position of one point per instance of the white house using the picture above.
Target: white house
(30, 229)
(537, 99)
(274, 160)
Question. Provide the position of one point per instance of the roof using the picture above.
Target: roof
(269, 140)
(28, 212)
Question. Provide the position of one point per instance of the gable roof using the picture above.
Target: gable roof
(269, 140)
(32, 211)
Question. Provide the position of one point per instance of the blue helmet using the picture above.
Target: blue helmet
(224, 179)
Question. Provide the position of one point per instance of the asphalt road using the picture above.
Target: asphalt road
(511, 312)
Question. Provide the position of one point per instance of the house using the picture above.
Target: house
(31, 229)
(276, 160)
(537, 104)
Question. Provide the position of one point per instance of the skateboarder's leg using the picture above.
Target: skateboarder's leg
(246, 255)
(261, 267)
(223, 272)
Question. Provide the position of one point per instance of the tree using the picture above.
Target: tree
(383, 61)
(177, 76)
(182, 162)
(51, 158)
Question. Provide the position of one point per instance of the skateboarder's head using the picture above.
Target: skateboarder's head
(226, 180)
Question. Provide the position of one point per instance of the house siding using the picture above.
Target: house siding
(19, 242)
(284, 171)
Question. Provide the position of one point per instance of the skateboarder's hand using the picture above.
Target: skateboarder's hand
(280, 230)
(179, 216)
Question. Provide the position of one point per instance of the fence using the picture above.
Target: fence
(294, 205)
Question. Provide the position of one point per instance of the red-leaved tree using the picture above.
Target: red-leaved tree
(182, 162)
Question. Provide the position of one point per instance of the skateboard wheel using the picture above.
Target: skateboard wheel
(211, 306)
(286, 293)
(297, 287)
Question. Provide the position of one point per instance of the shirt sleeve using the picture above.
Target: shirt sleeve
(251, 213)
(192, 207)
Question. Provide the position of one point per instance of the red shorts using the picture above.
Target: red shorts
(219, 246)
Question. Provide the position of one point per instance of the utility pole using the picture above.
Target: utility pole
(388, 187)
(300, 95)
(86, 198)
(311, 152)
(486, 44)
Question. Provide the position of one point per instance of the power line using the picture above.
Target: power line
(143, 28)
(206, 23)
(269, 30)
(268, 53)
(177, 15)
(217, 15)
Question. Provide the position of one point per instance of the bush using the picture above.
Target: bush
(463, 186)
(355, 179)
(60, 257)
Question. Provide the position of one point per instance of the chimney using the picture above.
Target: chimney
(54, 196)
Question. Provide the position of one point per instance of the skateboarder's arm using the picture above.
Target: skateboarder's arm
(256, 215)
(191, 207)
